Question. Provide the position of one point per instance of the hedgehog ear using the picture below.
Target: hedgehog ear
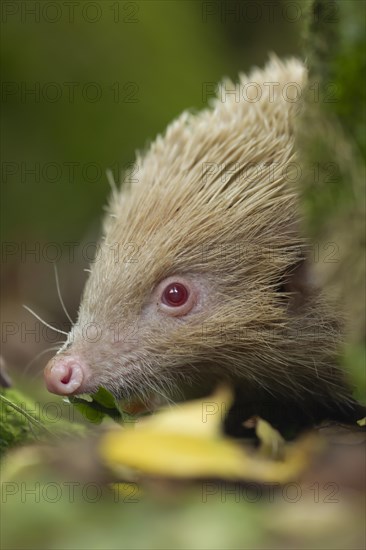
(297, 284)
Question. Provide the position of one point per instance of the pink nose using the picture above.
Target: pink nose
(64, 375)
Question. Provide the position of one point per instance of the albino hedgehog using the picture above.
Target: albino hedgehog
(202, 274)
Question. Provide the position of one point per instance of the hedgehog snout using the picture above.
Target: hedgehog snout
(65, 375)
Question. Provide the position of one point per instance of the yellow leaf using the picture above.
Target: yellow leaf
(176, 443)
(272, 442)
(200, 417)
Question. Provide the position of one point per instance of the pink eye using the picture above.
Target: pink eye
(175, 295)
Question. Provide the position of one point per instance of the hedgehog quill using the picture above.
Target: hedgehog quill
(203, 273)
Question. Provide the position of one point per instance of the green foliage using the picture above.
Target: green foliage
(99, 405)
(23, 420)
(17, 427)
(332, 143)
(337, 53)
(335, 50)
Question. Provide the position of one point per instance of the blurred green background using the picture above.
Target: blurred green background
(84, 87)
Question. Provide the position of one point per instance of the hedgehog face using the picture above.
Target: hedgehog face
(138, 348)
(185, 326)
(195, 248)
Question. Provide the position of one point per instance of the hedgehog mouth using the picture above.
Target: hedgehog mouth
(130, 385)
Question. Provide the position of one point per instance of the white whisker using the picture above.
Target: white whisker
(59, 295)
(44, 322)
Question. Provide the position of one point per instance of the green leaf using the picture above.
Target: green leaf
(86, 408)
(99, 405)
(105, 398)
